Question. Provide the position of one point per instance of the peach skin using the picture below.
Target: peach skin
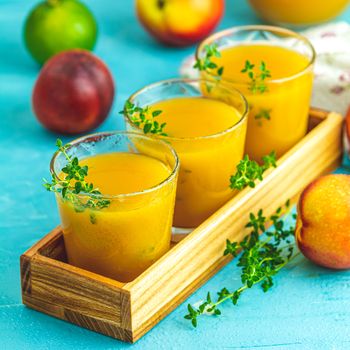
(347, 130)
(323, 224)
(179, 22)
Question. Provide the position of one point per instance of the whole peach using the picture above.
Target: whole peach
(179, 22)
(323, 223)
(73, 93)
(347, 131)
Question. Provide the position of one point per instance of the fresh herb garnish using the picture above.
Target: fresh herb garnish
(263, 114)
(144, 118)
(260, 261)
(257, 81)
(206, 64)
(248, 171)
(74, 183)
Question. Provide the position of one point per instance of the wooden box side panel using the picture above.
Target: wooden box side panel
(92, 323)
(52, 283)
(72, 294)
(169, 281)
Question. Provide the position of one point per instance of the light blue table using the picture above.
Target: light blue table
(309, 307)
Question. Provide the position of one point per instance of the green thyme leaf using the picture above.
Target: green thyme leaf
(248, 171)
(206, 64)
(263, 114)
(257, 80)
(262, 257)
(144, 118)
(74, 183)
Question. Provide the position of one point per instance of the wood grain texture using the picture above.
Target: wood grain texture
(81, 297)
(128, 311)
(26, 279)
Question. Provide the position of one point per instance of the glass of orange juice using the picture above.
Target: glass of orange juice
(273, 68)
(206, 125)
(137, 178)
(298, 12)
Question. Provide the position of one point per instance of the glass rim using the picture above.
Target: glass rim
(272, 29)
(189, 80)
(154, 188)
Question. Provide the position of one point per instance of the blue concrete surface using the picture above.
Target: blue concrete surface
(309, 307)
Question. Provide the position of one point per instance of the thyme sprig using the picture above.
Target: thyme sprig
(257, 80)
(260, 260)
(74, 183)
(263, 114)
(248, 171)
(206, 64)
(144, 118)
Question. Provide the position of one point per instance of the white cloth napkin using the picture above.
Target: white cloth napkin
(332, 69)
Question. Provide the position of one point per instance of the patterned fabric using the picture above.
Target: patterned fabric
(332, 68)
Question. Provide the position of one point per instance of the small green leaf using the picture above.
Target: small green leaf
(147, 128)
(59, 143)
(206, 63)
(74, 183)
(93, 219)
(220, 70)
(156, 113)
(64, 192)
(144, 118)
(257, 80)
(260, 260)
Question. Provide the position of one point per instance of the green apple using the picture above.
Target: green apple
(57, 25)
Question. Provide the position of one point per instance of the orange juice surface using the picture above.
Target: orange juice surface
(206, 163)
(298, 12)
(124, 239)
(278, 116)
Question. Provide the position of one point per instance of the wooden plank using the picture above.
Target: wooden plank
(26, 279)
(52, 283)
(44, 242)
(95, 324)
(71, 293)
(55, 249)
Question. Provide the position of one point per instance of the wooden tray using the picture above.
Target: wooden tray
(127, 311)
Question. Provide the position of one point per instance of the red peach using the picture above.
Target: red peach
(347, 130)
(73, 93)
(323, 224)
(179, 22)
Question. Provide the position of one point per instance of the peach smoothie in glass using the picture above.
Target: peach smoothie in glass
(298, 12)
(207, 128)
(272, 67)
(137, 185)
